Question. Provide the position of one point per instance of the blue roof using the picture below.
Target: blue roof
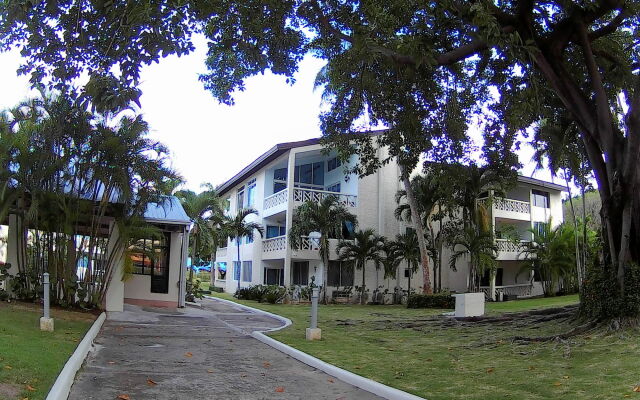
(170, 211)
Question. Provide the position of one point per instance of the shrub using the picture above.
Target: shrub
(600, 297)
(260, 293)
(436, 300)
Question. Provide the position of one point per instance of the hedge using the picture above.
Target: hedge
(436, 300)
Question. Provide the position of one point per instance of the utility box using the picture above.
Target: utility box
(469, 304)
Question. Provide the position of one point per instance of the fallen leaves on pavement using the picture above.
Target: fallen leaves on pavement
(151, 382)
(279, 389)
(124, 397)
(188, 354)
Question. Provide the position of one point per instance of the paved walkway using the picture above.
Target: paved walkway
(197, 354)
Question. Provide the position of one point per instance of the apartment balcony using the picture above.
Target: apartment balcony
(509, 208)
(276, 247)
(277, 202)
(510, 251)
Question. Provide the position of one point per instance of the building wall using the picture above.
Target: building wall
(375, 209)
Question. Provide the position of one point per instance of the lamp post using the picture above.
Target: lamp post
(313, 332)
(46, 322)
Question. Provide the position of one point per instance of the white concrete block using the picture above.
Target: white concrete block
(469, 304)
(313, 334)
(46, 324)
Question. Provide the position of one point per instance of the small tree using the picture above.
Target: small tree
(239, 228)
(364, 247)
(480, 246)
(406, 246)
(327, 217)
(550, 254)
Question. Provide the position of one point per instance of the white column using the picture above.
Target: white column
(114, 299)
(182, 280)
(289, 216)
(492, 285)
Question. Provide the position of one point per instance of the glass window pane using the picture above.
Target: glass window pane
(306, 173)
(278, 186)
(318, 173)
(280, 174)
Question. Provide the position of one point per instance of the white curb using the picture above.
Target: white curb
(62, 386)
(361, 382)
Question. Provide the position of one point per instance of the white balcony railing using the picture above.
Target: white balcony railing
(308, 243)
(274, 244)
(276, 199)
(520, 290)
(509, 246)
(303, 195)
(221, 252)
(518, 206)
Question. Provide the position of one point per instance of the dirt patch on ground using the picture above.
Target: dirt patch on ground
(9, 391)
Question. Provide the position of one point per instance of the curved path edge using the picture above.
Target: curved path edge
(62, 386)
(359, 381)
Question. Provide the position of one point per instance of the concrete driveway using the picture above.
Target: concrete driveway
(149, 353)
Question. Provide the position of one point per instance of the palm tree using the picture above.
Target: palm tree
(203, 209)
(480, 245)
(406, 249)
(237, 228)
(327, 217)
(365, 246)
(550, 255)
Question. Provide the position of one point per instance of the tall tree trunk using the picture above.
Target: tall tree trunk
(362, 294)
(417, 225)
(212, 278)
(579, 269)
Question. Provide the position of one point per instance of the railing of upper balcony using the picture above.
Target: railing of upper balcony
(508, 205)
(276, 199)
(221, 252)
(274, 244)
(308, 243)
(509, 246)
(303, 195)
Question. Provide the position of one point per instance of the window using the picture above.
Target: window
(247, 270)
(540, 199)
(227, 204)
(274, 276)
(149, 256)
(407, 272)
(236, 270)
(301, 273)
(248, 239)
(340, 274)
(222, 270)
(274, 231)
(312, 174)
(251, 193)
(540, 228)
(279, 180)
(486, 281)
(240, 199)
(333, 163)
(333, 188)
(279, 186)
(280, 174)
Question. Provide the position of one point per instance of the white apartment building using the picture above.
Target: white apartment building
(291, 173)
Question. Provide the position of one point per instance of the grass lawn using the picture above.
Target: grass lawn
(436, 358)
(30, 360)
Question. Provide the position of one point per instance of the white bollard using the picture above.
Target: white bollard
(46, 322)
(314, 333)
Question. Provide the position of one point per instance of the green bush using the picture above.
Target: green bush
(260, 293)
(600, 293)
(436, 300)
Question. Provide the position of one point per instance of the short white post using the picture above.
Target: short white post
(46, 322)
(314, 333)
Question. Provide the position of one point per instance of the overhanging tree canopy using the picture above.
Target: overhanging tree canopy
(420, 67)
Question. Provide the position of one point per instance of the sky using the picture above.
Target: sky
(211, 142)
